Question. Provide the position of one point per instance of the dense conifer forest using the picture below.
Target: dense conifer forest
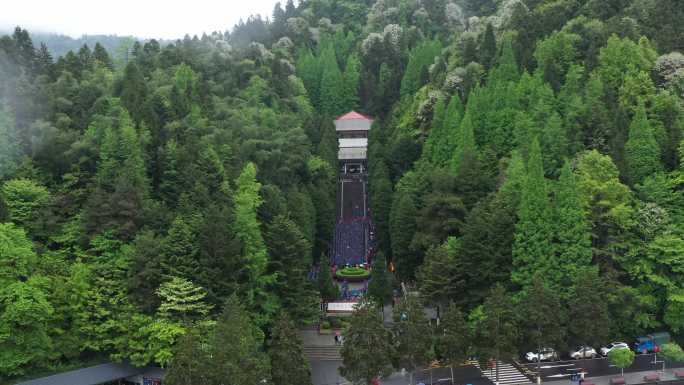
(164, 205)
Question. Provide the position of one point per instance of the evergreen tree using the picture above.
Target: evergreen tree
(486, 247)
(380, 283)
(100, 55)
(254, 253)
(326, 286)
(367, 351)
(180, 249)
(332, 101)
(488, 47)
(413, 335)
(572, 232)
(352, 76)
(497, 334)
(533, 248)
(191, 363)
(9, 146)
(642, 153)
(181, 299)
(441, 276)
(402, 228)
(594, 325)
(289, 365)
(236, 348)
(290, 261)
(134, 91)
(453, 338)
(544, 327)
(380, 191)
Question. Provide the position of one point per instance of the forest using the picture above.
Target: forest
(164, 204)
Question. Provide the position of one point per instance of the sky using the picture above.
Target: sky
(166, 19)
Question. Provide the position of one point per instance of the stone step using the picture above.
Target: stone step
(323, 353)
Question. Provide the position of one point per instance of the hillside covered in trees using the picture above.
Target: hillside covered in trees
(176, 200)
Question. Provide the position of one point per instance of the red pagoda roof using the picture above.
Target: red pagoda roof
(353, 115)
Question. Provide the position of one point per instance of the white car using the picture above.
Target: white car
(545, 354)
(582, 352)
(613, 345)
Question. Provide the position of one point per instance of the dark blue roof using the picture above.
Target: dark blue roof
(93, 375)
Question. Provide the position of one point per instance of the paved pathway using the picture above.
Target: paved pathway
(630, 378)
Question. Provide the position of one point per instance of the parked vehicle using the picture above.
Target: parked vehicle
(545, 354)
(613, 345)
(582, 352)
(651, 343)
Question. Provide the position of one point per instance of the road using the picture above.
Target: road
(558, 370)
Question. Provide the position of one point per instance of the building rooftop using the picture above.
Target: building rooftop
(93, 375)
(353, 115)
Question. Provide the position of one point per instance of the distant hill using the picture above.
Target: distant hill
(59, 44)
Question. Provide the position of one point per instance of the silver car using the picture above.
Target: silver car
(582, 352)
(613, 345)
(545, 354)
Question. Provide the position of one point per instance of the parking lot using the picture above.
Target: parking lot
(558, 370)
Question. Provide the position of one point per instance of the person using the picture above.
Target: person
(338, 338)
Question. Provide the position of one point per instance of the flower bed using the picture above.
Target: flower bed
(352, 273)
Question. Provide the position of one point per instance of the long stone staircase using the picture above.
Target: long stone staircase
(508, 374)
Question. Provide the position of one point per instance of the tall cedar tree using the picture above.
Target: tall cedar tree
(453, 338)
(642, 153)
(488, 47)
(367, 351)
(402, 228)
(380, 187)
(497, 335)
(593, 326)
(352, 77)
(380, 283)
(441, 276)
(254, 253)
(543, 316)
(533, 247)
(486, 248)
(332, 83)
(237, 347)
(572, 232)
(289, 365)
(290, 262)
(413, 335)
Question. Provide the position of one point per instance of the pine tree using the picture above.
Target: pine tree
(413, 335)
(290, 261)
(402, 228)
(453, 337)
(555, 144)
(642, 153)
(441, 276)
(181, 299)
(289, 365)
(488, 47)
(497, 335)
(180, 249)
(594, 326)
(533, 247)
(486, 250)
(542, 304)
(572, 232)
(254, 253)
(237, 348)
(367, 351)
(191, 363)
(100, 55)
(506, 67)
(332, 100)
(380, 283)
(309, 69)
(326, 286)
(134, 91)
(352, 76)
(380, 190)
(465, 144)
(9, 146)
